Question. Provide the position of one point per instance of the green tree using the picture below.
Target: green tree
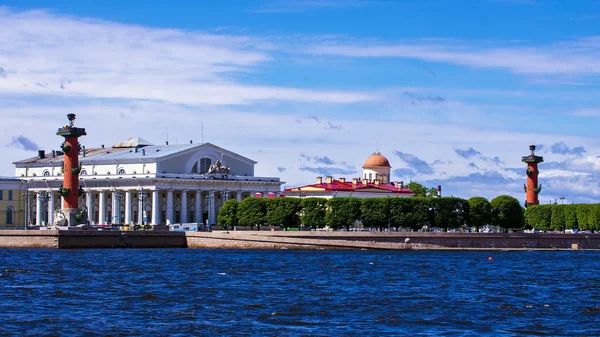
(283, 211)
(342, 212)
(539, 217)
(594, 216)
(251, 212)
(480, 212)
(418, 189)
(375, 212)
(557, 221)
(582, 216)
(507, 212)
(313, 212)
(228, 213)
(431, 192)
(449, 212)
(570, 216)
(402, 212)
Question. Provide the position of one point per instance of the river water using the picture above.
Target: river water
(198, 292)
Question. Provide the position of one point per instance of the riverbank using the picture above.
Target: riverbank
(296, 240)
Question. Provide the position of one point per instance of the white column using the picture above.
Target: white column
(198, 211)
(211, 208)
(140, 219)
(170, 206)
(89, 203)
(101, 207)
(51, 208)
(115, 208)
(155, 207)
(38, 209)
(183, 216)
(238, 196)
(127, 207)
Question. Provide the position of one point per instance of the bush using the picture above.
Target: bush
(507, 212)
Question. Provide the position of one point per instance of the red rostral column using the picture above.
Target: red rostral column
(531, 187)
(70, 186)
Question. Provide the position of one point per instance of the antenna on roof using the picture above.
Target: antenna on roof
(377, 146)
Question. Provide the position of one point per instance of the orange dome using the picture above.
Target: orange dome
(376, 160)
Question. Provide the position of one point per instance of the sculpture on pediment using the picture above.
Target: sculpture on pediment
(218, 167)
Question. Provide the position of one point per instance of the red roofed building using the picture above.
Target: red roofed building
(373, 184)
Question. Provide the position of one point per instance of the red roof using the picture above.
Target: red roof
(337, 185)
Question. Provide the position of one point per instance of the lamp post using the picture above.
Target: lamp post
(562, 199)
(26, 195)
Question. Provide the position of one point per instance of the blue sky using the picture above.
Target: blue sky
(452, 92)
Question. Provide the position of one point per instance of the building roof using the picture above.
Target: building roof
(376, 160)
(337, 185)
(123, 153)
(132, 142)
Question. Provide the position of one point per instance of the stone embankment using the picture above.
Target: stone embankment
(295, 240)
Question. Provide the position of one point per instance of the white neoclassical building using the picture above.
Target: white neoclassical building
(136, 182)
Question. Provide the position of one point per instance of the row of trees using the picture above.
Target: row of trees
(414, 213)
(563, 217)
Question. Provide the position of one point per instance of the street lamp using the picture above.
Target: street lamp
(562, 199)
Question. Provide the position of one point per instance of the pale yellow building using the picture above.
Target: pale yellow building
(12, 203)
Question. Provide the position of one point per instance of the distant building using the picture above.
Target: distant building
(375, 183)
(137, 182)
(12, 203)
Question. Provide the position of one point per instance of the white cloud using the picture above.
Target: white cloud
(580, 57)
(46, 54)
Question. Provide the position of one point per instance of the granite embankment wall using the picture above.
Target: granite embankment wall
(293, 240)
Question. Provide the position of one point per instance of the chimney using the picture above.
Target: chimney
(342, 180)
(400, 184)
(42, 154)
(319, 180)
(83, 150)
(328, 179)
(167, 142)
(354, 181)
(135, 149)
(53, 154)
(365, 181)
(191, 141)
(143, 152)
(439, 187)
(102, 145)
(376, 181)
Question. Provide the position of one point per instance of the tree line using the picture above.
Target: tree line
(563, 217)
(388, 212)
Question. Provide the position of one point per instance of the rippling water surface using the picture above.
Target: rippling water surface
(186, 292)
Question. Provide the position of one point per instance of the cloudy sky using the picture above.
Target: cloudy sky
(452, 92)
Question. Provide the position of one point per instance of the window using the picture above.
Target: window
(204, 165)
(109, 217)
(10, 195)
(370, 176)
(136, 216)
(191, 218)
(83, 173)
(163, 216)
(1, 194)
(96, 216)
(9, 216)
(46, 173)
(121, 171)
(177, 217)
(195, 168)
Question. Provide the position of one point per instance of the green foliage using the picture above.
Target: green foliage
(570, 216)
(313, 212)
(228, 213)
(283, 211)
(558, 217)
(594, 216)
(539, 217)
(582, 216)
(76, 170)
(418, 189)
(402, 213)
(65, 147)
(507, 212)
(422, 215)
(251, 212)
(480, 212)
(449, 212)
(375, 212)
(431, 192)
(342, 212)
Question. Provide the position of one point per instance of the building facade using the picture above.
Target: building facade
(135, 182)
(12, 203)
(375, 183)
